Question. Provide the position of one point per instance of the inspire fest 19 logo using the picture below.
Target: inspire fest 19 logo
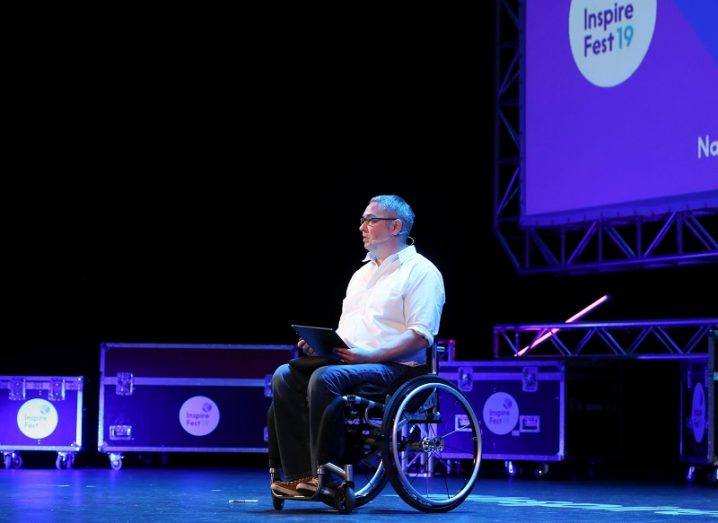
(610, 38)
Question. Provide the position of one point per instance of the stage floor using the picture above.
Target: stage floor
(204, 495)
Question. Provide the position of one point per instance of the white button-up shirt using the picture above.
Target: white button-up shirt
(405, 292)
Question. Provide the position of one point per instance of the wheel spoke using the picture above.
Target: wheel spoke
(413, 460)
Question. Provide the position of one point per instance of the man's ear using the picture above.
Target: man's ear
(398, 230)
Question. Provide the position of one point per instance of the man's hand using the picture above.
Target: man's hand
(305, 348)
(357, 355)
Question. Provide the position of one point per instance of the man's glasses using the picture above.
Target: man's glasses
(372, 220)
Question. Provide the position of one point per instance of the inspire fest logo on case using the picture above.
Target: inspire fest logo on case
(610, 38)
(199, 416)
(37, 418)
(501, 413)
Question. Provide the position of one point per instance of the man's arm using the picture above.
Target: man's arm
(402, 345)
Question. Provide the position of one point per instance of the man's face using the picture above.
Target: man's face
(376, 232)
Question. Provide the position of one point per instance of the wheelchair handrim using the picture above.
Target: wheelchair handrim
(477, 442)
(373, 482)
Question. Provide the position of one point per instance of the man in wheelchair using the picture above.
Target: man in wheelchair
(390, 315)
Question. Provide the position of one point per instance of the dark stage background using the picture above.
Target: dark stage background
(204, 183)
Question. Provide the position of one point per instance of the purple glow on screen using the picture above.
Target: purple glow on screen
(647, 144)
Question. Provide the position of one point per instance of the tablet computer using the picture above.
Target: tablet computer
(322, 339)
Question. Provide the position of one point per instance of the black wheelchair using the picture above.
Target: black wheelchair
(421, 435)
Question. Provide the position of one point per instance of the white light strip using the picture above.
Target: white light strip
(553, 331)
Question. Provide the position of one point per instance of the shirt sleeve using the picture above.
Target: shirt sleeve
(423, 303)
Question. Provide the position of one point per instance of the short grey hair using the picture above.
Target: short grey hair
(397, 206)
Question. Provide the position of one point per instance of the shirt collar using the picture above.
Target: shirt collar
(403, 255)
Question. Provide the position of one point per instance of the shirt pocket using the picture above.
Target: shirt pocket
(352, 302)
(387, 302)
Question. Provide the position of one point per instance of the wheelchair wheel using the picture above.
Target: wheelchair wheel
(344, 499)
(370, 479)
(277, 503)
(428, 424)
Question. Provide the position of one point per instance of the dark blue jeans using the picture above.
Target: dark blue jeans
(299, 402)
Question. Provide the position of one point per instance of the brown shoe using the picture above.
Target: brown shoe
(289, 488)
(309, 486)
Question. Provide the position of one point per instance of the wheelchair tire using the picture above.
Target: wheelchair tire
(416, 406)
(371, 489)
